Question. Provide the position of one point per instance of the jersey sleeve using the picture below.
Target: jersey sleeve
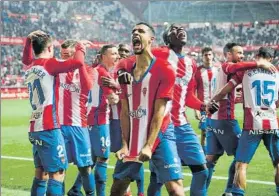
(55, 67)
(27, 55)
(167, 80)
(236, 78)
(230, 68)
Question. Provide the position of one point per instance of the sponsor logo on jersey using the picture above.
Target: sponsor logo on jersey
(70, 87)
(260, 132)
(138, 113)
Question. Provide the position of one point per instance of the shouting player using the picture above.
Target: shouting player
(145, 118)
(260, 91)
(48, 143)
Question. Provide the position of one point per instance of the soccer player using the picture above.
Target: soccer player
(124, 51)
(100, 97)
(73, 93)
(223, 131)
(189, 148)
(49, 154)
(203, 78)
(115, 129)
(147, 133)
(260, 89)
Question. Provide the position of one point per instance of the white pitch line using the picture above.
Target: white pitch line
(147, 170)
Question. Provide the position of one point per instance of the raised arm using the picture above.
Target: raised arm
(27, 55)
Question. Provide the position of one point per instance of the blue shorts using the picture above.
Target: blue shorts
(78, 145)
(164, 162)
(222, 135)
(188, 146)
(115, 135)
(49, 150)
(100, 141)
(250, 140)
(203, 122)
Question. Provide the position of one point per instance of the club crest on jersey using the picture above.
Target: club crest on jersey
(144, 90)
(138, 113)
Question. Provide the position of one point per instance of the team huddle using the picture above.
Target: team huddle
(134, 106)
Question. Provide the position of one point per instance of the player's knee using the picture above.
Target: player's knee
(84, 170)
(197, 168)
(241, 166)
(41, 174)
(175, 188)
(212, 158)
(59, 175)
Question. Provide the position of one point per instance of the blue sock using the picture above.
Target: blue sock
(231, 177)
(277, 190)
(76, 188)
(198, 185)
(154, 188)
(88, 182)
(237, 191)
(101, 177)
(210, 167)
(38, 187)
(54, 188)
(140, 182)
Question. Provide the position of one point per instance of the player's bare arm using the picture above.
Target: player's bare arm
(125, 127)
(156, 123)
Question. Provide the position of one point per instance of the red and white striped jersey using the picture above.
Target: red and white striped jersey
(260, 89)
(98, 109)
(185, 69)
(203, 79)
(157, 83)
(43, 85)
(73, 96)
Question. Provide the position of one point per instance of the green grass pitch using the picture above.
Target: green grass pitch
(17, 175)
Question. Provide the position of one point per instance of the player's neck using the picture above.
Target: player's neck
(177, 49)
(143, 60)
(43, 56)
(207, 65)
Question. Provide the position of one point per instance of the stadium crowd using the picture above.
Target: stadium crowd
(100, 22)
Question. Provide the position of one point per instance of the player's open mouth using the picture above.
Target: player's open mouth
(136, 43)
(181, 34)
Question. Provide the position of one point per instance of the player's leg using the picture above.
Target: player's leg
(271, 142)
(101, 145)
(202, 127)
(166, 163)
(229, 141)
(81, 151)
(40, 180)
(247, 146)
(191, 153)
(154, 187)
(140, 182)
(124, 173)
(54, 160)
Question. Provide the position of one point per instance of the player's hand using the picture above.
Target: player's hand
(145, 153)
(109, 82)
(86, 43)
(35, 34)
(124, 77)
(262, 63)
(113, 98)
(212, 107)
(120, 154)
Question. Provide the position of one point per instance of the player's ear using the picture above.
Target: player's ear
(152, 39)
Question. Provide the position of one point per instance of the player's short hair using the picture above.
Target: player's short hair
(206, 49)
(229, 46)
(69, 43)
(104, 49)
(40, 43)
(148, 25)
(266, 52)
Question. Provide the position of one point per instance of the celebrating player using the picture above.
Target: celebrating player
(204, 83)
(145, 118)
(50, 158)
(260, 89)
(223, 130)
